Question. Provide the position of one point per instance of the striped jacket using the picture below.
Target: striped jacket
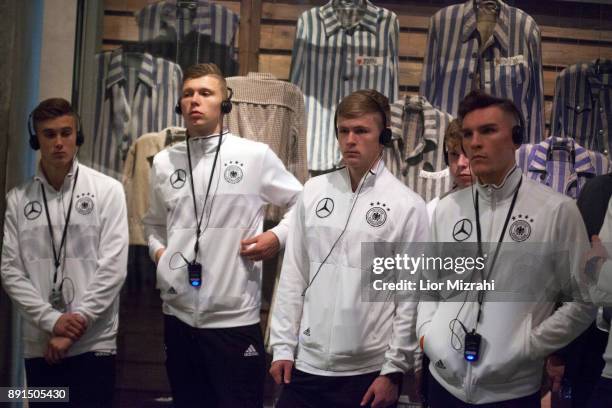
(330, 61)
(565, 171)
(510, 65)
(129, 103)
(416, 156)
(582, 108)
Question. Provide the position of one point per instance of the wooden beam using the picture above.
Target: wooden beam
(250, 27)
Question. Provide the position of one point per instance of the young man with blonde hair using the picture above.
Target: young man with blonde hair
(331, 347)
(204, 228)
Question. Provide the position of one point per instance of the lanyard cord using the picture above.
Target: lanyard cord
(196, 246)
(481, 294)
(58, 254)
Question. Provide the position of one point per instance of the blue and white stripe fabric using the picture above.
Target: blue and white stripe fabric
(509, 66)
(416, 156)
(330, 61)
(203, 32)
(582, 108)
(131, 101)
(561, 164)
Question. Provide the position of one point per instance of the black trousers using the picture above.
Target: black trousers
(317, 391)
(89, 377)
(438, 397)
(602, 394)
(214, 367)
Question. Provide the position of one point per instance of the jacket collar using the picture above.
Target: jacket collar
(332, 24)
(502, 28)
(415, 105)
(116, 74)
(504, 190)
(40, 175)
(599, 75)
(540, 155)
(206, 144)
(370, 180)
(201, 22)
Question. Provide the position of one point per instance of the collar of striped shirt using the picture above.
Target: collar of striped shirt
(409, 112)
(332, 23)
(539, 156)
(501, 28)
(201, 22)
(116, 74)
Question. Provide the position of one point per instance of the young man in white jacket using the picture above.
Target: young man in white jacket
(204, 228)
(64, 260)
(332, 348)
(502, 209)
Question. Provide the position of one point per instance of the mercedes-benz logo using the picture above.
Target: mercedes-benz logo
(324, 207)
(462, 230)
(32, 210)
(178, 178)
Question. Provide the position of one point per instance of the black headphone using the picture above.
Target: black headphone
(226, 104)
(34, 140)
(385, 134)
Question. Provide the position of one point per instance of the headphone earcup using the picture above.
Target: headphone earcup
(385, 136)
(34, 142)
(177, 109)
(445, 155)
(80, 138)
(226, 106)
(517, 135)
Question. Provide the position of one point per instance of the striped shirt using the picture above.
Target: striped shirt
(187, 35)
(582, 108)
(509, 65)
(135, 94)
(416, 156)
(566, 170)
(272, 112)
(329, 62)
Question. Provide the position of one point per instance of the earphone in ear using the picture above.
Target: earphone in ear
(518, 131)
(226, 104)
(33, 141)
(385, 135)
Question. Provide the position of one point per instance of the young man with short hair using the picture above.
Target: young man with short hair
(332, 348)
(204, 228)
(64, 260)
(502, 210)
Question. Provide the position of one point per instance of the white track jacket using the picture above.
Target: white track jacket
(248, 175)
(332, 330)
(516, 335)
(94, 261)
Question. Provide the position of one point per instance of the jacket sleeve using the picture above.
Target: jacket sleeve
(535, 99)
(428, 77)
(288, 304)
(154, 220)
(572, 318)
(111, 268)
(16, 280)
(279, 187)
(403, 343)
(601, 293)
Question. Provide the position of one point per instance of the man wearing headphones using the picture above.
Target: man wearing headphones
(204, 227)
(64, 260)
(485, 350)
(331, 347)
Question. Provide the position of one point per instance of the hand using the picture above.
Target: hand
(71, 325)
(57, 348)
(158, 254)
(260, 247)
(383, 391)
(555, 368)
(281, 371)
